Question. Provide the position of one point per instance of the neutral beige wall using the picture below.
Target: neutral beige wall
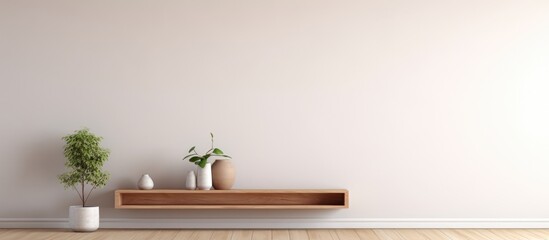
(419, 108)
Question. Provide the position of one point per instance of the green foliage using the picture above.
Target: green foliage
(85, 158)
(201, 160)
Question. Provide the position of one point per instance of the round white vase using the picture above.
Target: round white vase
(204, 178)
(84, 219)
(190, 183)
(145, 182)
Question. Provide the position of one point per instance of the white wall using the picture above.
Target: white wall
(422, 109)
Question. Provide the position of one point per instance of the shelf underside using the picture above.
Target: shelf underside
(231, 199)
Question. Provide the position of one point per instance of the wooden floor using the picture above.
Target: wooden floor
(331, 234)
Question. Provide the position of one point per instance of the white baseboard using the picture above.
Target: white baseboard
(286, 223)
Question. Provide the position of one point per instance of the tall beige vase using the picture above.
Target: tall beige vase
(223, 174)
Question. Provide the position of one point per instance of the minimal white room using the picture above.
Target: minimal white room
(240, 119)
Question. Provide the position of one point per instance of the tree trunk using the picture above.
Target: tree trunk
(83, 201)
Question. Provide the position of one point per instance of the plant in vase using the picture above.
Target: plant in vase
(85, 159)
(204, 175)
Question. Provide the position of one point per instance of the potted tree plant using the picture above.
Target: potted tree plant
(225, 176)
(85, 159)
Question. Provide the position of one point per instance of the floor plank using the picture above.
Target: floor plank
(347, 234)
(490, 235)
(165, 234)
(15, 234)
(298, 234)
(539, 232)
(334, 235)
(261, 235)
(509, 233)
(411, 234)
(39, 234)
(183, 234)
(367, 234)
(388, 234)
(320, 234)
(98, 235)
(201, 235)
(281, 235)
(56, 234)
(545, 230)
(313, 234)
(242, 235)
(5, 232)
(471, 234)
(221, 235)
(529, 235)
(433, 234)
(455, 234)
(102, 234)
(143, 235)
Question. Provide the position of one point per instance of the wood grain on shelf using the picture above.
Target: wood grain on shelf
(232, 199)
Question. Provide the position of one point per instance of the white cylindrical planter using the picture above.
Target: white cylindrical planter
(84, 219)
(190, 183)
(204, 178)
(145, 182)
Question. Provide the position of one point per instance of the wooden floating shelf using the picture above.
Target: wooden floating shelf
(232, 199)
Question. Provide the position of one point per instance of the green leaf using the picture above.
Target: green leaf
(192, 154)
(190, 150)
(202, 163)
(85, 159)
(195, 158)
(206, 156)
(217, 151)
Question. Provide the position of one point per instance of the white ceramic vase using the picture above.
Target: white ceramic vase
(204, 178)
(145, 182)
(190, 183)
(83, 219)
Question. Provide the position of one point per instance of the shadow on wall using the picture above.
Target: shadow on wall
(36, 176)
(164, 177)
(105, 197)
(36, 186)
